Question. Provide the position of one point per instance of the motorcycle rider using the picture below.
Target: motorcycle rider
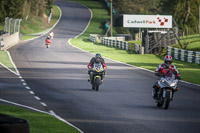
(162, 69)
(51, 34)
(48, 41)
(96, 59)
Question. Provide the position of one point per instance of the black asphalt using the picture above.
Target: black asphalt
(124, 104)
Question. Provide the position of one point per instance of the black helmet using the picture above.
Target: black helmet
(98, 57)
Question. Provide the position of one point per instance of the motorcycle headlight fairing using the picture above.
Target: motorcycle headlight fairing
(173, 84)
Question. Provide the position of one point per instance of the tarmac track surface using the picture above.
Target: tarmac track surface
(58, 76)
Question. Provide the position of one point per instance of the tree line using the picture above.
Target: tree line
(23, 8)
(184, 12)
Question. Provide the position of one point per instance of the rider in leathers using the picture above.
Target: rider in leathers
(163, 68)
(96, 59)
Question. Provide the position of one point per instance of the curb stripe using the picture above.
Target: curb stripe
(61, 119)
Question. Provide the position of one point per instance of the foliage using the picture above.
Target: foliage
(185, 13)
(11, 8)
(23, 8)
(135, 6)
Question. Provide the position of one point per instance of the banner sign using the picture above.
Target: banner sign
(147, 21)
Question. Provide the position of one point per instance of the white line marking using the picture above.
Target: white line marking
(43, 104)
(28, 88)
(31, 92)
(22, 80)
(17, 104)
(36, 97)
(9, 69)
(49, 113)
(24, 84)
(13, 63)
(61, 119)
(56, 116)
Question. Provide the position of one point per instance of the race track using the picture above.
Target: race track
(58, 76)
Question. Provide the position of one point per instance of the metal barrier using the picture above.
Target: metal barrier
(184, 55)
(12, 25)
(112, 42)
(115, 43)
(10, 35)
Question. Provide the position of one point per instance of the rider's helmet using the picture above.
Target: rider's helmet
(168, 60)
(98, 57)
(48, 37)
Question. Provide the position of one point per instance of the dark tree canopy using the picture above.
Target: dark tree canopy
(22, 8)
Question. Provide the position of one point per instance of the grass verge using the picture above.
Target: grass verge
(4, 59)
(189, 72)
(38, 122)
(36, 24)
(192, 43)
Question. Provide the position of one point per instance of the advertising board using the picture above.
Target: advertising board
(147, 21)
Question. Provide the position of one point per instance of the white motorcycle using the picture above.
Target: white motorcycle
(166, 85)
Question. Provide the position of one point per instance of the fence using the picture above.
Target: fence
(12, 25)
(10, 35)
(117, 43)
(184, 55)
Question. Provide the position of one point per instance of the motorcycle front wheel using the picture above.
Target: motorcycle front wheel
(167, 100)
(97, 83)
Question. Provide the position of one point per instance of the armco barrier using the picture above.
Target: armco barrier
(9, 40)
(184, 55)
(116, 42)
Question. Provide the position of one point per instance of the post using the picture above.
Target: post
(15, 25)
(9, 25)
(19, 24)
(146, 47)
(111, 18)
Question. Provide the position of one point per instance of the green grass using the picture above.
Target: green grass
(135, 41)
(27, 37)
(4, 59)
(37, 24)
(1, 26)
(189, 72)
(192, 43)
(38, 122)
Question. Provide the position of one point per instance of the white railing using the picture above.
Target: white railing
(184, 55)
(113, 42)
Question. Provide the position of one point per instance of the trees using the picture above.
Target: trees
(135, 6)
(11, 8)
(185, 12)
(23, 8)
